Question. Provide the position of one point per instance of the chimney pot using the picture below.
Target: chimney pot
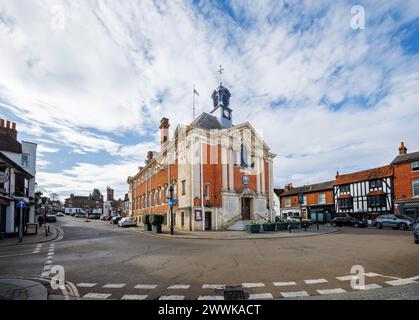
(1, 123)
(402, 149)
(8, 124)
(149, 155)
(14, 125)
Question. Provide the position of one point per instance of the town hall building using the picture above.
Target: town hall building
(221, 172)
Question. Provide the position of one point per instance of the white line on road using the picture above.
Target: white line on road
(45, 274)
(284, 284)
(172, 298)
(180, 286)
(86, 285)
(315, 281)
(260, 296)
(331, 291)
(367, 287)
(214, 286)
(294, 294)
(401, 282)
(134, 297)
(253, 285)
(145, 286)
(347, 278)
(114, 285)
(210, 298)
(97, 295)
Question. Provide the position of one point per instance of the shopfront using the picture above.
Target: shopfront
(321, 214)
(408, 207)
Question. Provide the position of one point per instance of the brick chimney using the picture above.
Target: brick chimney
(150, 156)
(164, 132)
(9, 128)
(402, 149)
(288, 186)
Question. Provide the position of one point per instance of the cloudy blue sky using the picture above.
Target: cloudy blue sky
(89, 81)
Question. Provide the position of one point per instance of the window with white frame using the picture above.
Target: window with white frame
(25, 160)
(288, 202)
(415, 166)
(321, 199)
(304, 199)
(415, 187)
(207, 191)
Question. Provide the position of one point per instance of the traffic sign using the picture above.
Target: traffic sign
(21, 204)
(172, 202)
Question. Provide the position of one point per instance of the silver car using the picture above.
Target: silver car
(394, 221)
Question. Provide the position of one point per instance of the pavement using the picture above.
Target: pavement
(31, 239)
(239, 235)
(102, 261)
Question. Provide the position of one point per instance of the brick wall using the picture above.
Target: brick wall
(403, 177)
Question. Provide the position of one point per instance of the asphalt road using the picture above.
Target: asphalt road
(105, 261)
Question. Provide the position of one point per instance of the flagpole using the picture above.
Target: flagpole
(193, 103)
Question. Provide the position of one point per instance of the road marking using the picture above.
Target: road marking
(253, 285)
(294, 294)
(97, 295)
(86, 285)
(372, 274)
(36, 251)
(134, 297)
(172, 298)
(45, 274)
(179, 286)
(314, 281)
(47, 267)
(49, 262)
(114, 285)
(331, 291)
(214, 286)
(145, 286)
(347, 278)
(401, 282)
(260, 296)
(367, 287)
(284, 284)
(211, 298)
(50, 253)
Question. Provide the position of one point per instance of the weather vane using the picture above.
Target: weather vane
(220, 71)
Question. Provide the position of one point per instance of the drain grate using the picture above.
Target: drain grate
(235, 293)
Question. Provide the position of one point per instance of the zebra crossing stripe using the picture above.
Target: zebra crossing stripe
(284, 284)
(260, 296)
(367, 287)
(179, 286)
(145, 286)
(315, 281)
(347, 278)
(97, 295)
(172, 298)
(114, 285)
(211, 298)
(400, 282)
(134, 297)
(331, 291)
(86, 285)
(253, 285)
(214, 286)
(294, 294)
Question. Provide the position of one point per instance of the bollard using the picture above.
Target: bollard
(289, 227)
(317, 226)
(305, 227)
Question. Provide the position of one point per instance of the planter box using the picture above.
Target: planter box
(281, 226)
(147, 227)
(255, 228)
(295, 225)
(157, 228)
(268, 227)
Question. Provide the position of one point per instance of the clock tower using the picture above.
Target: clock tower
(221, 102)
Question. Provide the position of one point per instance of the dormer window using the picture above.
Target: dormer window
(25, 160)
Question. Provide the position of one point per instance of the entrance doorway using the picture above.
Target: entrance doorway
(208, 222)
(246, 208)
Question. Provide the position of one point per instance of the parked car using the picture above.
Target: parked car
(60, 214)
(93, 216)
(293, 219)
(348, 221)
(80, 215)
(394, 221)
(416, 231)
(115, 220)
(127, 222)
(50, 218)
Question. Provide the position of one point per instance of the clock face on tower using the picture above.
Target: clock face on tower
(226, 114)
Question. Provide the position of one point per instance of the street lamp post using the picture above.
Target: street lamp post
(171, 209)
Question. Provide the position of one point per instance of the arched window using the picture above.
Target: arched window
(243, 156)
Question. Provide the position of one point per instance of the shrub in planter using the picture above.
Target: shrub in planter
(305, 223)
(253, 227)
(295, 225)
(269, 226)
(281, 225)
(157, 220)
(147, 223)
